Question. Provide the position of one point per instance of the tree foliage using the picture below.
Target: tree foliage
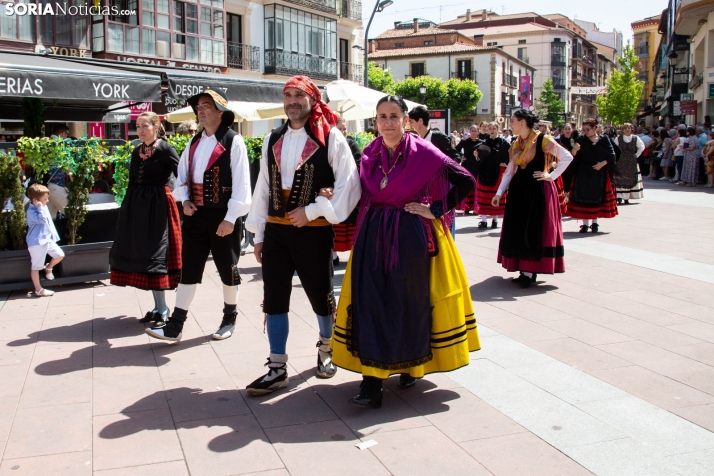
(459, 95)
(548, 106)
(380, 79)
(624, 90)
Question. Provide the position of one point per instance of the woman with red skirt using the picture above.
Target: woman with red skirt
(592, 195)
(532, 235)
(468, 148)
(146, 253)
(493, 158)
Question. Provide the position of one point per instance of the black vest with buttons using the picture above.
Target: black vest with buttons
(217, 178)
(315, 173)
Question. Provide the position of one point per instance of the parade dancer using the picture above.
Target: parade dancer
(628, 179)
(292, 225)
(214, 186)
(493, 157)
(405, 306)
(532, 235)
(146, 253)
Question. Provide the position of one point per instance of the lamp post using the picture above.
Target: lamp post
(422, 90)
(378, 7)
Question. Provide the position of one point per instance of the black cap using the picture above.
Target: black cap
(219, 99)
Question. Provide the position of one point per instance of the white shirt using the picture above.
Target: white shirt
(627, 139)
(564, 160)
(239, 203)
(346, 192)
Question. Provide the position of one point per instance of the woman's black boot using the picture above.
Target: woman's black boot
(406, 381)
(370, 394)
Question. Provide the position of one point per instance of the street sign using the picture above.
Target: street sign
(686, 96)
(711, 90)
(688, 108)
(676, 111)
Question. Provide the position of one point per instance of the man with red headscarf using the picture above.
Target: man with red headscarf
(293, 224)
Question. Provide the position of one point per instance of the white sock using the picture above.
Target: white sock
(184, 295)
(529, 275)
(594, 221)
(484, 218)
(586, 222)
(230, 295)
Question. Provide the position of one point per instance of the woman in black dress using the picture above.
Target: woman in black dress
(592, 195)
(568, 138)
(468, 148)
(147, 247)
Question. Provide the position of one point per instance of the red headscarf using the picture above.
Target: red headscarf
(321, 117)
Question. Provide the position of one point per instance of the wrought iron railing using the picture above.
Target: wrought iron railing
(289, 64)
(351, 71)
(557, 60)
(464, 75)
(327, 6)
(245, 57)
(558, 83)
(350, 9)
(588, 79)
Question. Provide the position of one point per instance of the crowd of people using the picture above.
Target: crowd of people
(405, 306)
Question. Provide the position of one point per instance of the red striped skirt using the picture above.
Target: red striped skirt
(469, 204)
(587, 211)
(155, 282)
(484, 195)
(344, 234)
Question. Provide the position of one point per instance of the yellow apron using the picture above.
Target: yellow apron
(453, 329)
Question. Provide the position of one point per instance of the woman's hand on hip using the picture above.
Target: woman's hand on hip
(421, 209)
(542, 176)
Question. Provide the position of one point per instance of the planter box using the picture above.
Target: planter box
(82, 263)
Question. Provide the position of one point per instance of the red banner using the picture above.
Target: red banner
(688, 108)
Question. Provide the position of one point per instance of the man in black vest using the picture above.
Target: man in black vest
(293, 224)
(214, 186)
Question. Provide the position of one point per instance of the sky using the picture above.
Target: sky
(608, 14)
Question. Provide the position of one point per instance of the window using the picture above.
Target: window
(428, 43)
(522, 54)
(399, 45)
(463, 69)
(233, 28)
(521, 42)
(291, 30)
(492, 43)
(418, 69)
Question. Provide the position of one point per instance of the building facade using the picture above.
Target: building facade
(645, 42)
(421, 48)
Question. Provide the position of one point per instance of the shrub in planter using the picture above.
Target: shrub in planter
(121, 159)
(362, 138)
(13, 226)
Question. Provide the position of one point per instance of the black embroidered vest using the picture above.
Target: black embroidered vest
(312, 173)
(217, 186)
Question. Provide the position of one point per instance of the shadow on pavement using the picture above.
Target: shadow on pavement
(497, 288)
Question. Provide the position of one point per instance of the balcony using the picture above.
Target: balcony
(558, 60)
(465, 75)
(509, 80)
(643, 50)
(352, 72)
(558, 83)
(327, 6)
(288, 63)
(351, 9)
(525, 59)
(586, 98)
(576, 75)
(643, 77)
(245, 57)
(696, 81)
(588, 80)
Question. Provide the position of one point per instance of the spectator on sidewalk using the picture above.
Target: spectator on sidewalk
(42, 237)
(57, 181)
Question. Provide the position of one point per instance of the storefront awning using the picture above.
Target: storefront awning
(25, 75)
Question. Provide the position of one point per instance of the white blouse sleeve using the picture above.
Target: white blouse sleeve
(258, 215)
(239, 203)
(507, 176)
(564, 159)
(640, 147)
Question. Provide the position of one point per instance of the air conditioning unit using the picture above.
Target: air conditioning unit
(162, 49)
(178, 51)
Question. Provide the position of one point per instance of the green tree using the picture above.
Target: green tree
(624, 90)
(548, 106)
(380, 79)
(459, 95)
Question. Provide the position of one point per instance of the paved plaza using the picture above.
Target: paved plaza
(607, 369)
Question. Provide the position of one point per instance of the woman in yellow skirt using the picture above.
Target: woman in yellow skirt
(405, 306)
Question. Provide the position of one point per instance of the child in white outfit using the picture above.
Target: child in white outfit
(42, 237)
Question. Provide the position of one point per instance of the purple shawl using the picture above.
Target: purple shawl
(420, 176)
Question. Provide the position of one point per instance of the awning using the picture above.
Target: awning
(648, 112)
(244, 111)
(37, 76)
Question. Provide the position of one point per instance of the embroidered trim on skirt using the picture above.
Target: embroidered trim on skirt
(156, 282)
(634, 193)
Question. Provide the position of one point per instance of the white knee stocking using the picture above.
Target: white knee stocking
(184, 295)
(230, 295)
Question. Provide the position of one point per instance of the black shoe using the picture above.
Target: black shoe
(619, 201)
(595, 227)
(370, 394)
(156, 318)
(627, 202)
(406, 381)
(524, 281)
(494, 224)
(336, 261)
(227, 327)
(275, 379)
(172, 330)
(325, 367)
(584, 228)
(483, 224)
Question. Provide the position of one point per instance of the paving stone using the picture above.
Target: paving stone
(65, 464)
(204, 399)
(114, 394)
(702, 415)
(61, 389)
(653, 358)
(173, 468)
(578, 354)
(586, 332)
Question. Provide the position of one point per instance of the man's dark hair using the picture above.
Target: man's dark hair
(420, 112)
(59, 129)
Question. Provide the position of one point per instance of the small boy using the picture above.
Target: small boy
(42, 237)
